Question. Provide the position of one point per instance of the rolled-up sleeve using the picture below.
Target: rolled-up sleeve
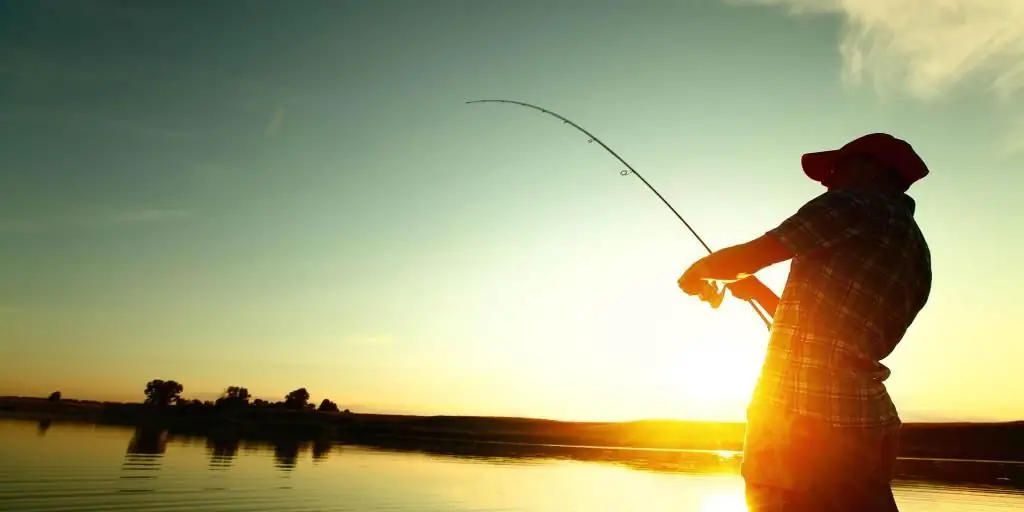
(824, 223)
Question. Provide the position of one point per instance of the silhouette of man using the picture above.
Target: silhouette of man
(821, 428)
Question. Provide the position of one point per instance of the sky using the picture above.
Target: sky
(295, 195)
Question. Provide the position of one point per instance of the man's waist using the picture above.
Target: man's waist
(767, 412)
(841, 402)
(882, 413)
(830, 365)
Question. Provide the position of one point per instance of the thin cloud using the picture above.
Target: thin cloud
(274, 126)
(369, 340)
(1012, 145)
(928, 48)
(143, 216)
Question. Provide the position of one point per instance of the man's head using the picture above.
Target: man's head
(877, 161)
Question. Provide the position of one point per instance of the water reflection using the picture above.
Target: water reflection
(222, 451)
(322, 449)
(147, 447)
(286, 453)
(670, 461)
(76, 468)
(43, 426)
(142, 460)
(1002, 474)
(147, 442)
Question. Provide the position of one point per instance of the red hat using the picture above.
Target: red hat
(892, 152)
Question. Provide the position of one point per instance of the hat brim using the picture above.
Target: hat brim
(818, 166)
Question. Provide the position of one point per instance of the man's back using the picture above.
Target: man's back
(860, 274)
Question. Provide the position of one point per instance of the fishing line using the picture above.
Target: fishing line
(629, 171)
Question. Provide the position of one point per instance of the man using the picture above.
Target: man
(821, 427)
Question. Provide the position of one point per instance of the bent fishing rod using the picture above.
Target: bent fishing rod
(713, 300)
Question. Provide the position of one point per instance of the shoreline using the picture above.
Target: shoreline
(998, 442)
(976, 454)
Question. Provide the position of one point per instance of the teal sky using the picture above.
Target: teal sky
(279, 195)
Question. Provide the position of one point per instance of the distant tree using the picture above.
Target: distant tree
(160, 392)
(346, 411)
(55, 396)
(328, 406)
(234, 396)
(259, 402)
(237, 393)
(309, 406)
(297, 399)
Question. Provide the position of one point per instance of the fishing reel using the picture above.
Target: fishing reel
(712, 294)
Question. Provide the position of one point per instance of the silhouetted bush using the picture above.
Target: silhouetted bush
(233, 397)
(297, 399)
(159, 392)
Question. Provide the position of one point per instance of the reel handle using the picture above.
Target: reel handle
(711, 294)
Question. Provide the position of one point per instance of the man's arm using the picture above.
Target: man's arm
(752, 288)
(738, 264)
(822, 224)
(744, 260)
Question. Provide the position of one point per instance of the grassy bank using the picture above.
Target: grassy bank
(980, 441)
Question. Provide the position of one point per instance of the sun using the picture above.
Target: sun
(714, 377)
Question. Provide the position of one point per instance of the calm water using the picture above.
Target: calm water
(85, 468)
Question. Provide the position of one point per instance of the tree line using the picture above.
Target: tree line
(168, 392)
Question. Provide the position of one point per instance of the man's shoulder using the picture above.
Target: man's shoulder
(895, 211)
(842, 204)
(836, 198)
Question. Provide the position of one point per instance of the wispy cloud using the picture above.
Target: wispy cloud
(928, 48)
(369, 340)
(141, 216)
(121, 218)
(275, 124)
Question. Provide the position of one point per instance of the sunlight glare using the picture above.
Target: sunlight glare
(715, 375)
(724, 502)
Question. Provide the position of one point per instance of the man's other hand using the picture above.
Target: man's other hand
(750, 288)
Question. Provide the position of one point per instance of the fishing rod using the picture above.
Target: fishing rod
(714, 297)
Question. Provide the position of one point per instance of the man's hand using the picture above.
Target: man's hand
(750, 288)
(695, 280)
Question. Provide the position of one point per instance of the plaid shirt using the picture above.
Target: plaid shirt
(860, 274)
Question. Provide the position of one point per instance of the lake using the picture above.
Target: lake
(69, 467)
